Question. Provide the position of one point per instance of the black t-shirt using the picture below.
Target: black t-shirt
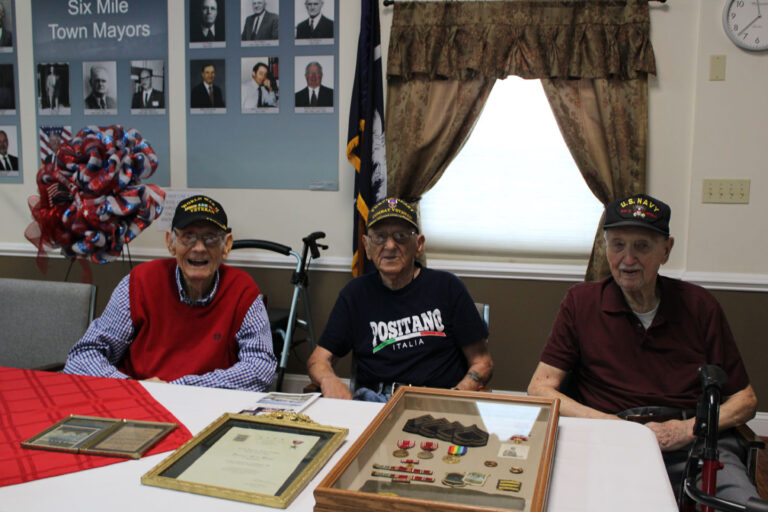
(413, 335)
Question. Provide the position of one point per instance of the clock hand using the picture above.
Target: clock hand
(749, 25)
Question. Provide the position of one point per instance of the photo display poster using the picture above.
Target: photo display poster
(262, 94)
(10, 135)
(102, 62)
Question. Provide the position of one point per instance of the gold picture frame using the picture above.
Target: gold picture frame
(448, 450)
(92, 435)
(266, 460)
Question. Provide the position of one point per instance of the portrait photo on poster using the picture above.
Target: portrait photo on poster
(314, 84)
(207, 82)
(99, 86)
(314, 21)
(9, 150)
(53, 89)
(260, 20)
(6, 26)
(147, 87)
(206, 24)
(260, 89)
(7, 90)
(51, 138)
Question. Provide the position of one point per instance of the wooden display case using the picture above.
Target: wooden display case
(447, 450)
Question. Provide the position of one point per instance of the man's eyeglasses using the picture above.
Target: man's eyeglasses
(400, 237)
(190, 239)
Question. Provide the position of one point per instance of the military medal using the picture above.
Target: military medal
(409, 461)
(396, 477)
(516, 469)
(403, 469)
(403, 444)
(427, 447)
(454, 454)
(518, 439)
(491, 463)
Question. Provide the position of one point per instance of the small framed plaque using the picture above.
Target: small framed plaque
(447, 451)
(92, 435)
(256, 459)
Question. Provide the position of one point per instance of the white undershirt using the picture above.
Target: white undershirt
(647, 318)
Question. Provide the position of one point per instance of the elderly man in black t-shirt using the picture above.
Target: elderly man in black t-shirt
(406, 324)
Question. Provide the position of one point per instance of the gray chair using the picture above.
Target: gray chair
(41, 320)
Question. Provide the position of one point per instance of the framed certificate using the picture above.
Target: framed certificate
(447, 450)
(92, 435)
(255, 459)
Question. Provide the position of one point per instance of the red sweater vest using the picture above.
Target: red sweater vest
(174, 339)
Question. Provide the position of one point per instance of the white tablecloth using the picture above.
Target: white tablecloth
(600, 465)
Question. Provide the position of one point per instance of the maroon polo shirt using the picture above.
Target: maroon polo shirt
(622, 365)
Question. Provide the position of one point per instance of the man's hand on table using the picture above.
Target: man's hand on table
(333, 387)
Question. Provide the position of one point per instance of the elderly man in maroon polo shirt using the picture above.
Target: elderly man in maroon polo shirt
(635, 340)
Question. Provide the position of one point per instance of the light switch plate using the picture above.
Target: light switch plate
(725, 191)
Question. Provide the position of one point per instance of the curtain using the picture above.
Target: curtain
(605, 125)
(445, 56)
(430, 121)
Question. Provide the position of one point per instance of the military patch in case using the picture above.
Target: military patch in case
(509, 485)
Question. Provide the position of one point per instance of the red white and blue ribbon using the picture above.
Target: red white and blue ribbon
(91, 199)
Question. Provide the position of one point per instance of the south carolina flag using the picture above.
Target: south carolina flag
(365, 147)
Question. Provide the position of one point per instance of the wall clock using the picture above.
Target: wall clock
(746, 23)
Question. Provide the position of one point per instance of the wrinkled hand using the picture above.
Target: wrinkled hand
(673, 434)
(155, 379)
(333, 387)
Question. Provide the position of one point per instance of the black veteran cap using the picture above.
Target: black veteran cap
(638, 210)
(392, 208)
(197, 208)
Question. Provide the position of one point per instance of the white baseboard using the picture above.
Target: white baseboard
(479, 269)
(295, 383)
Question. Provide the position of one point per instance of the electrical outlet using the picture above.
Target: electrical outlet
(725, 191)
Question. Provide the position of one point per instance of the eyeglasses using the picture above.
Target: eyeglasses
(208, 239)
(400, 237)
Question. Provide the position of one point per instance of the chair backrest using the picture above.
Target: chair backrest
(41, 320)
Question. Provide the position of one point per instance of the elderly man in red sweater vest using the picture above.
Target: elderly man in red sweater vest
(189, 319)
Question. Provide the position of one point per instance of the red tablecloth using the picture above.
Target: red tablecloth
(32, 401)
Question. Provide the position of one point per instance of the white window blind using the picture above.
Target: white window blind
(513, 190)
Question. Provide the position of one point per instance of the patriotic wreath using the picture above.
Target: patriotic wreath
(91, 200)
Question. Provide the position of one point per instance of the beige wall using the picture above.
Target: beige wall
(698, 129)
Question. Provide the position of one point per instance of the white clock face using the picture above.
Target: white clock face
(746, 23)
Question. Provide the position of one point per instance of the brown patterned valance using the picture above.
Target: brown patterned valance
(527, 38)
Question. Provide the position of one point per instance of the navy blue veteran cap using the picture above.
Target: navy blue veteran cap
(199, 208)
(393, 208)
(638, 210)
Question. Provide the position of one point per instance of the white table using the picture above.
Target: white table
(600, 465)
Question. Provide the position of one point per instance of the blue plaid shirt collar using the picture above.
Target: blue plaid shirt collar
(202, 302)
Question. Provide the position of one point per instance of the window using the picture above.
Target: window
(513, 190)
